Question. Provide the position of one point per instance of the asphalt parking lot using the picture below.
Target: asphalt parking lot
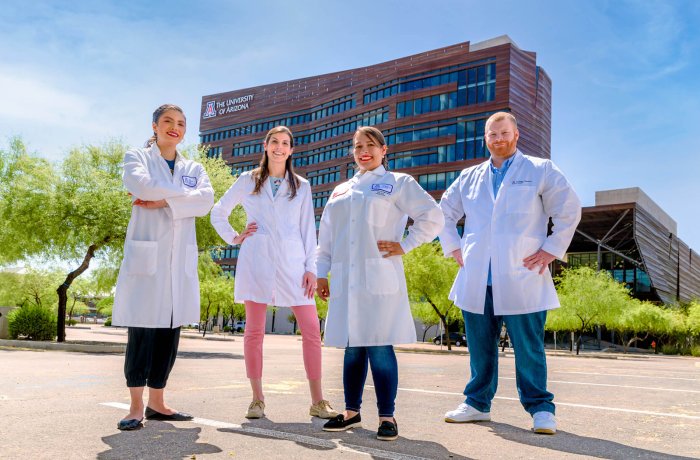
(61, 404)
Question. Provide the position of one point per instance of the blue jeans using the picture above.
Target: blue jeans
(527, 336)
(385, 373)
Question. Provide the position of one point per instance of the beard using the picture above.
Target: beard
(503, 149)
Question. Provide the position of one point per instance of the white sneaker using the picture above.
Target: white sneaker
(544, 423)
(466, 413)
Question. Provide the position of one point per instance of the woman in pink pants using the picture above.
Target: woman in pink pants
(276, 264)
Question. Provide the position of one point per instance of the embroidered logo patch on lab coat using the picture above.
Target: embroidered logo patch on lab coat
(382, 189)
(189, 181)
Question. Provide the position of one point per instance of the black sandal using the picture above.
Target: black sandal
(338, 423)
(388, 431)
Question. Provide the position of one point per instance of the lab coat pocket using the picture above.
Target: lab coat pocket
(140, 257)
(191, 256)
(381, 277)
(521, 199)
(295, 251)
(377, 211)
(524, 247)
(336, 282)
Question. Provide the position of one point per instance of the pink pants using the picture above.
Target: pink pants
(307, 319)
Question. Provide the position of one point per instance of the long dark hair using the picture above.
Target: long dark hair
(378, 138)
(262, 172)
(156, 116)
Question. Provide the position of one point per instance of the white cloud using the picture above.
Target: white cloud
(27, 97)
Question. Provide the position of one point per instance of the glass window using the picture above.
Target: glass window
(471, 95)
(435, 102)
(399, 109)
(444, 101)
(461, 79)
(461, 98)
(426, 104)
(480, 94)
(490, 91)
(481, 73)
(472, 75)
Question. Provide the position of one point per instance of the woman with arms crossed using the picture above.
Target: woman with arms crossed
(158, 288)
(276, 262)
(360, 245)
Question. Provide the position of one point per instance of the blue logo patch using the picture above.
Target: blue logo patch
(383, 189)
(189, 181)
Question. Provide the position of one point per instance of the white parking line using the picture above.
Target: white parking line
(613, 385)
(308, 440)
(625, 375)
(585, 406)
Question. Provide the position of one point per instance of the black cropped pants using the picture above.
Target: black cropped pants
(150, 356)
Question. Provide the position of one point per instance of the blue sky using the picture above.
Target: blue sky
(626, 74)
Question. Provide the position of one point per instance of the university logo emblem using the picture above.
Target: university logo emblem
(210, 111)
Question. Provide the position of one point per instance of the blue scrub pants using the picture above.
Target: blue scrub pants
(526, 333)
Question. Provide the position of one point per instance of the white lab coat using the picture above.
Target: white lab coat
(158, 286)
(506, 229)
(368, 303)
(272, 261)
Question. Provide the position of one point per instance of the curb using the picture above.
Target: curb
(119, 348)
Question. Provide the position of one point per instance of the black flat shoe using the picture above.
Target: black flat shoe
(130, 424)
(176, 417)
(388, 431)
(338, 423)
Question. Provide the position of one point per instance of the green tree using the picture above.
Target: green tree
(104, 306)
(215, 288)
(429, 278)
(694, 318)
(78, 209)
(424, 312)
(587, 298)
(641, 319)
(322, 310)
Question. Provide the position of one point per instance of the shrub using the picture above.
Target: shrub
(227, 328)
(695, 351)
(669, 349)
(32, 322)
(108, 322)
(71, 322)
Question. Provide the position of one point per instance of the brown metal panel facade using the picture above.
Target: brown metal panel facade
(638, 250)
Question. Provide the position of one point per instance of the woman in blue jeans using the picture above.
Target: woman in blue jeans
(360, 244)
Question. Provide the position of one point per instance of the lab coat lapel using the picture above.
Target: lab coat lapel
(162, 167)
(487, 180)
(512, 171)
(267, 186)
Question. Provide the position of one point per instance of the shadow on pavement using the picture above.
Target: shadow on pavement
(156, 440)
(207, 355)
(575, 444)
(311, 436)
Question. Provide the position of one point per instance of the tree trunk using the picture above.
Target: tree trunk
(62, 290)
(443, 320)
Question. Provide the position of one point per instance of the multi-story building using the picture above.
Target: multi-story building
(431, 107)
